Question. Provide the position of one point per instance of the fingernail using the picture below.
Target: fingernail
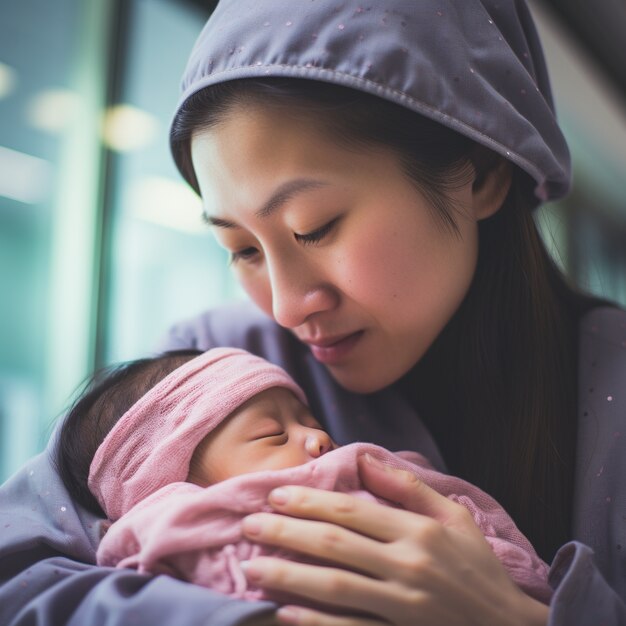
(375, 462)
(288, 614)
(279, 496)
(252, 525)
(251, 572)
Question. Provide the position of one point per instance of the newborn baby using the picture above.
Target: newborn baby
(203, 448)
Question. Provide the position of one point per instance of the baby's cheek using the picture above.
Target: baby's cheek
(283, 458)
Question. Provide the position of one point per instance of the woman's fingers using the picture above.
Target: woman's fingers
(448, 601)
(380, 522)
(379, 540)
(337, 508)
(382, 541)
(407, 560)
(309, 617)
(319, 539)
(412, 494)
(339, 589)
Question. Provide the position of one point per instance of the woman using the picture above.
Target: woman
(372, 170)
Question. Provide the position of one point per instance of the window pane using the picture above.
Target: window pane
(51, 84)
(164, 264)
(589, 226)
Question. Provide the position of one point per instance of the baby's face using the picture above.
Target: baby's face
(270, 431)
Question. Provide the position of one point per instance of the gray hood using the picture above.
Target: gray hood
(475, 66)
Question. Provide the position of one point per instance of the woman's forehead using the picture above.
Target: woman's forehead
(263, 168)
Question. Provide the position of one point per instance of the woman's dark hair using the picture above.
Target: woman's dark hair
(498, 387)
(106, 396)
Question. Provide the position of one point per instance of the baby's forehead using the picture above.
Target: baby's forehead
(276, 403)
(275, 397)
(278, 393)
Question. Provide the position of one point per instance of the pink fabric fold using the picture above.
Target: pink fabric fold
(194, 533)
(152, 443)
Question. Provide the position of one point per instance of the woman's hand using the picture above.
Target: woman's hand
(433, 568)
(265, 619)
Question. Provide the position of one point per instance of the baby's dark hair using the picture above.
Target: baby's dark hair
(105, 397)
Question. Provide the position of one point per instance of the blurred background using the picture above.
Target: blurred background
(101, 244)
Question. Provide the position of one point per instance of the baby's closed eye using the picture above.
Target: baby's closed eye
(275, 434)
(276, 437)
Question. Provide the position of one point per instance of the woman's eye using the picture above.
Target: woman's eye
(316, 236)
(246, 254)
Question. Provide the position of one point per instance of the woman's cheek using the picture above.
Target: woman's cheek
(257, 286)
(365, 277)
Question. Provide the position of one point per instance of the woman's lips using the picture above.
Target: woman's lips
(332, 350)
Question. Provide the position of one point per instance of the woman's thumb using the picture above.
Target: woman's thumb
(403, 487)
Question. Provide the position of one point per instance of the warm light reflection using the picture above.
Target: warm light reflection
(53, 110)
(128, 128)
(166, 202)
(8, 80)
(23, 177)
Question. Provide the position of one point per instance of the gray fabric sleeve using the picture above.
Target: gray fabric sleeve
(47, 576)
(582, 595)
(62, 592)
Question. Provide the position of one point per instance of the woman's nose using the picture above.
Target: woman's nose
(318, 442)
(297, 293)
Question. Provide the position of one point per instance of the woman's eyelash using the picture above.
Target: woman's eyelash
(317, 235)
(242, 255)
(311, 238)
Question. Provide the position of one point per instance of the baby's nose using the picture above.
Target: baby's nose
(318, 442)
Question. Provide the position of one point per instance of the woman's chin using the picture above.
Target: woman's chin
(362, 379)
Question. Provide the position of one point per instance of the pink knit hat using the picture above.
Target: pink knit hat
(152, 443)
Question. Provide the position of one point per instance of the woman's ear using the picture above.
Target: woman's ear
(490, 187)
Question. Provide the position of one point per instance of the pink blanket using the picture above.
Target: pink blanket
(194, 533)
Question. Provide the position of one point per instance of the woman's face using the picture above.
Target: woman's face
(335, 244)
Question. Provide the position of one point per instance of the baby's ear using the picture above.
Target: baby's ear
(491, 184)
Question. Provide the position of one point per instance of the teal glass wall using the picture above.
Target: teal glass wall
(52, 82)
(587, 230)
(101, 244)
(162, 263)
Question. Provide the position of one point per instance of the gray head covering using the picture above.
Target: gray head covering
(475, 66)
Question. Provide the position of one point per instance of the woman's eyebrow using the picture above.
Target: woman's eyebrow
(286, 192)
(283, 194)
(218, 221)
